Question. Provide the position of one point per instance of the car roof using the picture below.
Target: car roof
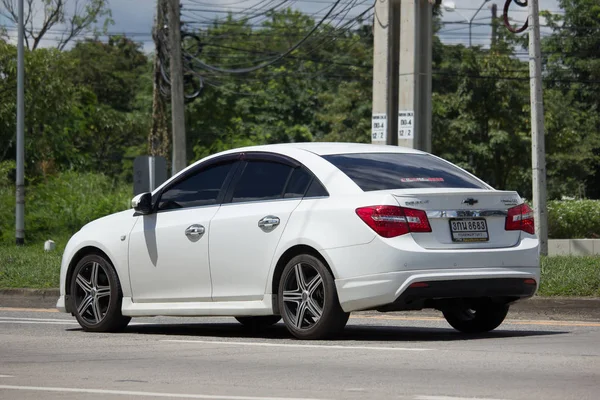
(325, 148)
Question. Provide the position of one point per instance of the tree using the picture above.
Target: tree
(112, 70)
(61, 20)
(572, 80)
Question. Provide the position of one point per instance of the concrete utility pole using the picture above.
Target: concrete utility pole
(20, 181)
(407, 122)
(538, 152)
(177, 96)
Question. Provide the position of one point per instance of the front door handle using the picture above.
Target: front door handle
(269, 223)
(194, 232)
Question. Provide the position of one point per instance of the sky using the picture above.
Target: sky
(135, 17)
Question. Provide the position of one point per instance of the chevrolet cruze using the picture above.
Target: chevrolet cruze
(307, 233)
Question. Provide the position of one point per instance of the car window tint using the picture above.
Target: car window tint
(382, 171)
(261, 180)
(316, 190)
(201, 189)
(298, 183)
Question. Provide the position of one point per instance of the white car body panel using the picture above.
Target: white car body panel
(240, 252)
(230, 270)
(164, 264)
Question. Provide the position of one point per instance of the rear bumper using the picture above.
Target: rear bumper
(392, 291)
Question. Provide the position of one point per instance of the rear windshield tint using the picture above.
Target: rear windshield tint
(384, 171)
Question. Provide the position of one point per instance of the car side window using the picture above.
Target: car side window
(200, 189)
(297, 184)
(262, 180)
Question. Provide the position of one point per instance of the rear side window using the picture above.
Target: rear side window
(261, 180)
(297, 184)
(384, 171)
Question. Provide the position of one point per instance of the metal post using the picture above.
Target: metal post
(20, 181)
(470, 24)
(177, 97)
(538, 154)
(393, 71)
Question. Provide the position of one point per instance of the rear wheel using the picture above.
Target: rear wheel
(96, 295)
(308, 300)
(259, 322)
(476, 318)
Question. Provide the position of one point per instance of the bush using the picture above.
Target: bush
(61, 205)
(574, 219)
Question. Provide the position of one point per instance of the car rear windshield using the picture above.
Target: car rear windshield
(384, 171)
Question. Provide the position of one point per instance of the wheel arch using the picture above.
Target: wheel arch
(282, 262)
(78, 256)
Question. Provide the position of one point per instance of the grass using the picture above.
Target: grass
(31, 267)
(570, 276)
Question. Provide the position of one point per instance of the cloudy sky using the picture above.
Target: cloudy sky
(135, 17)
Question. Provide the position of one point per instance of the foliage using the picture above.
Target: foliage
(572, 65)
(61, 205)
(574, 219)
(570, 276)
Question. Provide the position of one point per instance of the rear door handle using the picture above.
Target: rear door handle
(269, 223)
(194, 232)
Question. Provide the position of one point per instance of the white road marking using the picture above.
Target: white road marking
(450, 398)
(145, 394)
(6, 376)
(40, 322)
(36, 319)
(312, 346)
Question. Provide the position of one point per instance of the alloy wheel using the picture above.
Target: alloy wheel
(303, 296)
(92, 293)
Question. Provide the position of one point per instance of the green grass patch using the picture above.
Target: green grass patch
(30, 266)
(570, 276)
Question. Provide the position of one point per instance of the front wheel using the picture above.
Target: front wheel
(96, 295)
(476, 318)
(308, 300)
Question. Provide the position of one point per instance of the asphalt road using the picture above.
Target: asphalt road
(385, 356)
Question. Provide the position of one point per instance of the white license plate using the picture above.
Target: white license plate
(469, 230)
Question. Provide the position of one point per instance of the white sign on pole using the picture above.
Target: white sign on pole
(406, 124)
(379, 127)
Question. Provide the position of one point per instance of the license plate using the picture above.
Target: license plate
(469, 230)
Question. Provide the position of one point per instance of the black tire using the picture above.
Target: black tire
(321, 296)
(259, 322)
(103, 314)
(476, 318)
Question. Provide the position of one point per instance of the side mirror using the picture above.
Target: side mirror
(142, 203)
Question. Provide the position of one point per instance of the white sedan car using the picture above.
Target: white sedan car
(307, 232)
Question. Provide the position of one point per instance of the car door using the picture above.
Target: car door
(168, 249)
(246, 229)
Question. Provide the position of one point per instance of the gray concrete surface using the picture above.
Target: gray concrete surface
(574, 247)
(399, 356)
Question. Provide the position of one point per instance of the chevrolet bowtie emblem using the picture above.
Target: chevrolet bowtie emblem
(470, 201)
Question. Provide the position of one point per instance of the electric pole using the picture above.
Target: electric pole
(402, 73)
(177, 96)
(538, 152)
(158, 139)
(20, 181)
(393, 70)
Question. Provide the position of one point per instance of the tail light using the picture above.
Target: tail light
(392, 221)
(520, 218)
